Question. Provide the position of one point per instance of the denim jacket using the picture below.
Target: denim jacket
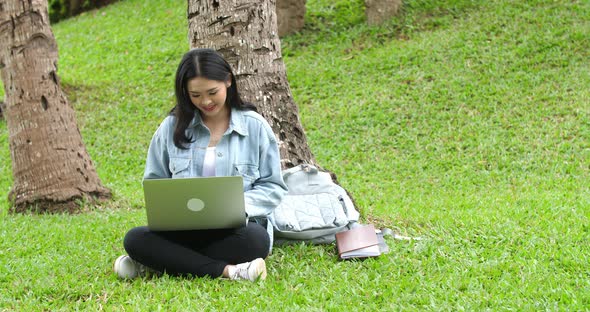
(248, 148)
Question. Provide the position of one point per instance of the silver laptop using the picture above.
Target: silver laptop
(194, 203)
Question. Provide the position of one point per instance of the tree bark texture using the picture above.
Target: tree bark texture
(245, 33)
(380, 11)
(290, 16)
(51, 167)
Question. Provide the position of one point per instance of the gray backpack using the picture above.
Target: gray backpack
(314, 210)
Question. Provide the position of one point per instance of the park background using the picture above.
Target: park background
(463, 122)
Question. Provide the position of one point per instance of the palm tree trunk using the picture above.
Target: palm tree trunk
(245, 33)
(290, 16)
(52, 170)
(381, 11)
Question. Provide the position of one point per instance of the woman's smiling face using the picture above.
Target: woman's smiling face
(208, 96)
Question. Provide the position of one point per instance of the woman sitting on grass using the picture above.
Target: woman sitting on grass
(209, 116)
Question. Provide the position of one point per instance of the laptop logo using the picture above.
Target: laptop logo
(195, 204)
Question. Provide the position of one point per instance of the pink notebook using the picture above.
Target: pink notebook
(360, 242)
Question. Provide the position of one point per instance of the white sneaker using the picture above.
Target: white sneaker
(252, 271)
(127, 268)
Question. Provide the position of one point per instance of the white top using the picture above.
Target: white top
(209, 163)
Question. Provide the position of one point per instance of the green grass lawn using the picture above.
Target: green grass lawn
(464, 122)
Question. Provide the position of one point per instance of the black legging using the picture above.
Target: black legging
(200, 253)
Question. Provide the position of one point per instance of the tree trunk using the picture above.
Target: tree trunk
(51, 168)
(290, 16)
(75, 6)
(245, 33)
(380, 11)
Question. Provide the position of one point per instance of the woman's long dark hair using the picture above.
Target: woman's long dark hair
(210, 65)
